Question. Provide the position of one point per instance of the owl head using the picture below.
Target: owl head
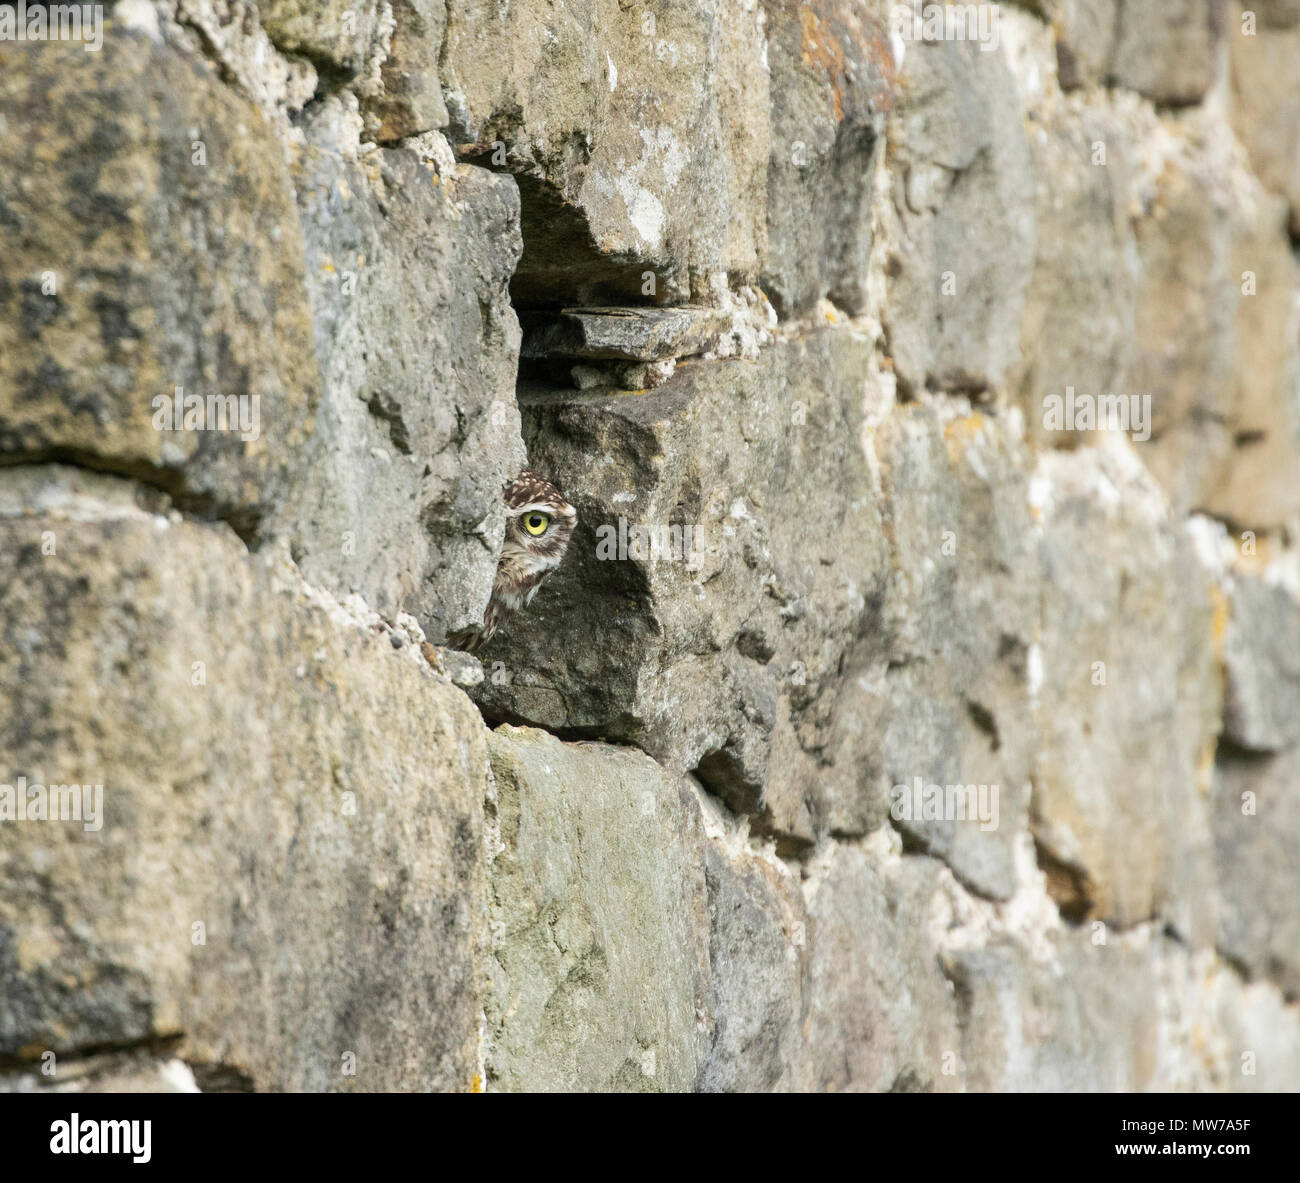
(539, 525)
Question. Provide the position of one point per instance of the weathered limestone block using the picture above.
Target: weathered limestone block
(151, 245)
(627, 334)
(882, 1017)
(1165, 51)
(1080, 306)
(696, 645)
(677, 141)
(1261, 654)
(1085, 39)
(337, 34)
(1256, 835)
(1258, 481)
(758, 966)
(418, 429)
(1216, 337)
(1081, 1019)
(960, 222)
(832, 76)
(410, 98)
(599, 919)
(636, 946)
(1128, 701)
(1183, 354)
(956, 707)
(289, 780)
(638, 134)
(1266, 104)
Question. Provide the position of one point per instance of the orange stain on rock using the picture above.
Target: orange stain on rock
(822, 51)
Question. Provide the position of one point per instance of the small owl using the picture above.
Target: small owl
(539, 524)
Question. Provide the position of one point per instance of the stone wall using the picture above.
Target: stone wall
(851, 293)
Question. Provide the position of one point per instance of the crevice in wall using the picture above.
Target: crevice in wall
(1237, 528)
(154, 1045)
(1068, 884)
(561, 262)
(985, 720)
(217, 1077)
(722, 773)
(916, 844)
(155, 481)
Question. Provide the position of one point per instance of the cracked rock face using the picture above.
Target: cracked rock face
(268, 880)
(1109, 688)
(152, 252)
(725, 136)
(958, 158)
(879, 731)
(724, 594)
(417, 343)
(620, 334)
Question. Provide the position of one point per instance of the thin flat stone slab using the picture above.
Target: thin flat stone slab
(626, 334)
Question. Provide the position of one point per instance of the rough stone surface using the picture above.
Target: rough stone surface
(1082, 1020)
(1266, 100)
(337, 879)
(337, 34)
(1128, 696)
(702, 138)
(957, 709)
(831, 86)
(878, 1023)
(1165, 51)
(628, 334)
(590, 988)
(417, 343)
(713, 648)
(1217, 338)
(759, 963)
(229, 34)
(131, 271)
(409, 100)
(1255, 836)
(1085, 266)
(632, 146)
(879, 731)
(958, 159)
(1262, 656)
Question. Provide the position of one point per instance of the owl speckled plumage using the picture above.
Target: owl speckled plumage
(539, 525)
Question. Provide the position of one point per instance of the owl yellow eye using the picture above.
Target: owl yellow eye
(536, 523)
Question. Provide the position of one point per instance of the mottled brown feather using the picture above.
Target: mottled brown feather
(525, 559)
